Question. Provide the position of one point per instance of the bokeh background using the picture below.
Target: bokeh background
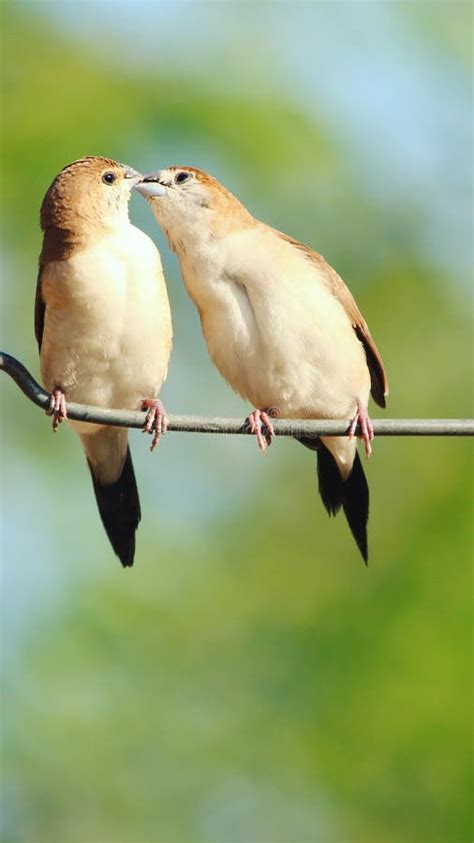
(249, 681)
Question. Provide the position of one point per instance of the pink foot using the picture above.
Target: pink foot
(57, 407)
(156, 420)
(362, 418)
(259, 422)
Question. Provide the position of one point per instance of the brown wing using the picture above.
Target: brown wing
(39, 310)
(335, 284)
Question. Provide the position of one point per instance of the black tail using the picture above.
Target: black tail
(119, 508)
(352, 494)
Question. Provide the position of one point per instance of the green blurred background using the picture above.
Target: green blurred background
(249, 681)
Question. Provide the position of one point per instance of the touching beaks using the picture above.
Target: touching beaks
(150, 186)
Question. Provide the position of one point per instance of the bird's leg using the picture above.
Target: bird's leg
(367, 431)
(57, 407)
(259, 422)
(156, 421)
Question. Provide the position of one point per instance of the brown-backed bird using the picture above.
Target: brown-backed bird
(103, 326)
(280, 325)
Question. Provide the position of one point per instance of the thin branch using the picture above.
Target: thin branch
(198, 424)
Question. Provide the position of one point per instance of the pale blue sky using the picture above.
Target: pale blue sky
(401, 106)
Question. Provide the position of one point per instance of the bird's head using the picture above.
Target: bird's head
(188, 202)
(91, 193)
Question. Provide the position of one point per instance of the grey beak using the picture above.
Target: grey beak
(130, 173)
(156, 176)
(150, 186)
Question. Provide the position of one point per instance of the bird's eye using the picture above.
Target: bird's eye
(182, 176)
(109, 178)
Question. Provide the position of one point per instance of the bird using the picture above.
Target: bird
(280, 325)
(103, 326)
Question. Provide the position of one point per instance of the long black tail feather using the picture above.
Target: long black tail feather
(119, 508)
(356, 506)
(352, 494)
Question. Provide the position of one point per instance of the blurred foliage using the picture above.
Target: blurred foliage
(248, 680)
(451, 32)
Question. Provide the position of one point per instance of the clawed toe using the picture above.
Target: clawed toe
(362, 419)
(156, 422)
(57, 408)
(260, 424)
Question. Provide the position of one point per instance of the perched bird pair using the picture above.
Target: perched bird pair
(279, 323)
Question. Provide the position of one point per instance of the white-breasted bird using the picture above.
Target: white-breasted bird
(280, 325)
(103, 326)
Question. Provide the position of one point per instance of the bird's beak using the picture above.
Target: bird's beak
(150, 186)
(130, 173)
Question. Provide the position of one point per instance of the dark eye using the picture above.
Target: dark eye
(109, 178)
(182, 176)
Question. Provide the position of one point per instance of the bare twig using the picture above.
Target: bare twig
(198, 424)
